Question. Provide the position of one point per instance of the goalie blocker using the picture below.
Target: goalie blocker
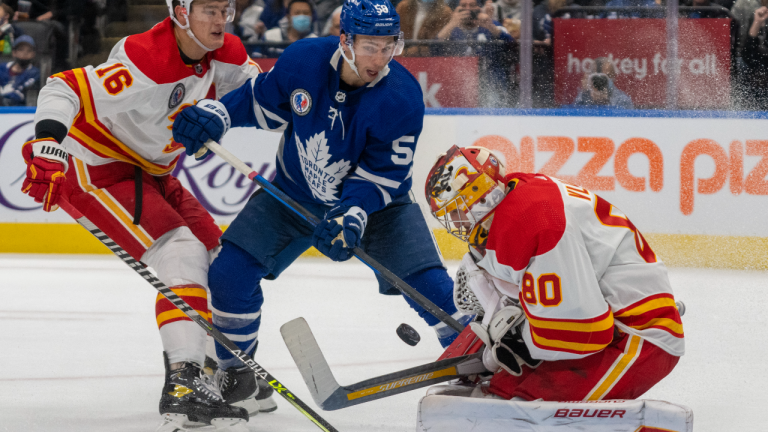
(440, 412)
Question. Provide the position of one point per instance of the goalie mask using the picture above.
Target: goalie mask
(208, 11)
(463, 187)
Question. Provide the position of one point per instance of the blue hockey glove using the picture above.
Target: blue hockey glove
(195, 125)
(340, 232)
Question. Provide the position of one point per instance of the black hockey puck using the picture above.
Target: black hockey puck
(408, 334)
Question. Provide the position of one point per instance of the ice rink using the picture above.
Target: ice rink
(80, 351)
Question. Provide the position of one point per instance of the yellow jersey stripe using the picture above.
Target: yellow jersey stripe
(574, 346)
(176, 313)
(648, 306)
(613, 375)
(592, 327)
(108, 202)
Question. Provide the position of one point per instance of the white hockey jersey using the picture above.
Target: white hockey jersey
(124, 109)
(579, 268)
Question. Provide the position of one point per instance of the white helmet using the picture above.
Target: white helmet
(187, 7)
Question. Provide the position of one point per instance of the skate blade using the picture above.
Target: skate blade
(181, 423)
(267, 405)
(255, 406)
(251, 405)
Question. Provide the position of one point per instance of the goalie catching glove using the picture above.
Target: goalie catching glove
(195, 125)
(340, 232)
(503, 337)
(47, 161)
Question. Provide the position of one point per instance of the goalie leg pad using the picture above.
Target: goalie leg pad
(463, 414)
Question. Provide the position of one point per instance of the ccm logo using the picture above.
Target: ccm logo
(603, 413)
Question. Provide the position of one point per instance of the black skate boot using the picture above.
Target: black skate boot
(189, 395)
(241, 387)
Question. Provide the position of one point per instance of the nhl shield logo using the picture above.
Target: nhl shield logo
(177, 95)
(301, 102)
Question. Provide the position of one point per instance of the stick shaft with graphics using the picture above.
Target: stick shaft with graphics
(313, 220)
(194, 316)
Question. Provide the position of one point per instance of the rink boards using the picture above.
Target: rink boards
(692, 182)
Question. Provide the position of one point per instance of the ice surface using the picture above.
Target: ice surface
(80, 350)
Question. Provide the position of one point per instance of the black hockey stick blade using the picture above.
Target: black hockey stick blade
(366, 259)
(183, 306)
(330, 395)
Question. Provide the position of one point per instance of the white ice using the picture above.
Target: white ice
(79, 347)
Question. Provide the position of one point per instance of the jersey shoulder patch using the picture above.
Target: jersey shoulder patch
(529, 222)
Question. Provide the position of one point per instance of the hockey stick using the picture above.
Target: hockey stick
(330, 395)
(313, 220)
(139, 268)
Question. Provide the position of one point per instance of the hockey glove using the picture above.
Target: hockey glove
(47, 161)
(195, 125)
(340, 232)
(505, 347)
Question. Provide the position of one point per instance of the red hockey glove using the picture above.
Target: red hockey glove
(47, 161)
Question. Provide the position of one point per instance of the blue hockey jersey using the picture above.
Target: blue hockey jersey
(352, 148)
(14, 87)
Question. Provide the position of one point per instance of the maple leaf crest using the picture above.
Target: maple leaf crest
(322, 177)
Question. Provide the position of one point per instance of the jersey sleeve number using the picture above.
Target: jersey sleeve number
(117, 81)
(548, 294)
(603, 211)
(404, 154)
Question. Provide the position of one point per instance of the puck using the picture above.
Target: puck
(408, 334)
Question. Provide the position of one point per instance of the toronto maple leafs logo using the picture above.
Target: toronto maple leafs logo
(322, 177)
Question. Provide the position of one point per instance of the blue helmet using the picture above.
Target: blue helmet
(370, 18)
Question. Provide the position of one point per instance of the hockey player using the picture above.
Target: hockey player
(576, 305)
(350, 119)
(103, 144)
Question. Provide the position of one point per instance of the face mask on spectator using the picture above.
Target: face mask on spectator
(23, 63)
(301, 23)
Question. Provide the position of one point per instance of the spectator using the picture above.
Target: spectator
(422, 20)
(36, 10)
(274, 11)
(18, 76)
(252, 29)
(513, 27)
(234, 27)
(543, 54)
(333, 25)
(323, 11)
(755, 55)
(598, 88)
(506, 9)
(299, 23)
(8, 32)
(469, 23)
(742, 11)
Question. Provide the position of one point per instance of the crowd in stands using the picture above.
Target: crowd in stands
(467, 22)
(488, 29)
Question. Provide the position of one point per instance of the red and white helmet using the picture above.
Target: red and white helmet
(463, 187)
(203, 15)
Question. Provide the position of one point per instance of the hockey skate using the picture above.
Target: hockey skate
(241, 387)
(190, 400)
